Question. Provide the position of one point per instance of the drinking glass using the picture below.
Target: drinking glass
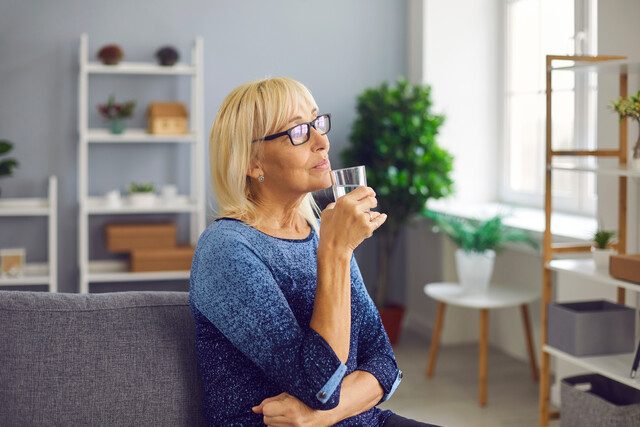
(347, 179)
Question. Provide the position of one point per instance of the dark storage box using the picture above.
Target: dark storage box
(625, 267)
(591, 328)
(594, 400)
(170, 259)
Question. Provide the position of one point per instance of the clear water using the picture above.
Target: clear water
(341, 190)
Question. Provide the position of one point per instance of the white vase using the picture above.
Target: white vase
(474, 270)
(142, 199)
(601, 257)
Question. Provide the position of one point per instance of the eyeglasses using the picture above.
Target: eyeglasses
(299, 134)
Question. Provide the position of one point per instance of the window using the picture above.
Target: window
(535, 28)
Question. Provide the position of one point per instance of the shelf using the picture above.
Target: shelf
(24, 207)
(616, 366)
(623, 66)
(586, 269)
(34, 274)
(136, 136)
(599, 170)
(99, 205)
(117, 271)
(140, 68)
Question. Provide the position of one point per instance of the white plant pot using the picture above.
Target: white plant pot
(601, 257)
(474, 270)
(142, 199)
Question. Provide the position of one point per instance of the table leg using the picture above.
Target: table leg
(435, 340)
(529, 339)
(482, 359)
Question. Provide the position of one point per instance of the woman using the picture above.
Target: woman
(286, 333)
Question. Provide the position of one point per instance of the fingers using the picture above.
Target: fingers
(377, 219)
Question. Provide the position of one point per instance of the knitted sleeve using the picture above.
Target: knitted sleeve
(374, 350)
(233, 287)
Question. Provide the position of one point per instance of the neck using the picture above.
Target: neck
(280, 218)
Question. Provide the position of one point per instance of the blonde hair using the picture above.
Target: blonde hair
(251, 111)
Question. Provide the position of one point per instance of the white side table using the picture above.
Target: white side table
(497, 297)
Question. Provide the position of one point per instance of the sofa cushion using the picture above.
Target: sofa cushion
(122, 358)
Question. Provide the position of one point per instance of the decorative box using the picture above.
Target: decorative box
(594, 400)
(169, 259)
(625, 267)
(167, 118)
(591, 328)
(129, 237)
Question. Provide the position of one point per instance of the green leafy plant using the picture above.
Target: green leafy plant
(113, 110)
(627, 107)
(141, 187)
(602, 238)
(394, 136)
(8, 164)
(477, 235)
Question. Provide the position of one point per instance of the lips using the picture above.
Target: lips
(323, 164)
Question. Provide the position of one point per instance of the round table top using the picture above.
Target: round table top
(498, 295)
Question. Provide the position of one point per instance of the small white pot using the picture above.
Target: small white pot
(475, 270)
(601, 257)
(142, 199)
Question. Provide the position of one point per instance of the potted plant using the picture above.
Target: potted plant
(478, 242)
(601, 251)
(8, 164)
(110, 54)
(394, 137)
(167, 56)
(116, 113)
(142, 193)
(630, 107)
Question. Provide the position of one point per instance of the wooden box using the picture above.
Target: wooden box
(129, 237)
(170, 259)
(167, 118)
(625, 267)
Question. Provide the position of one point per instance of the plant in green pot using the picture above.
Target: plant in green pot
(394, 137)
(6, 164)
(478, 242)
(115, 113)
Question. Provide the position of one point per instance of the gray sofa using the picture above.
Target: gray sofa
(116, 359)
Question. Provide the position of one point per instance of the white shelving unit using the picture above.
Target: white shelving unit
(94, 271)
(37, 273)
(617, 366)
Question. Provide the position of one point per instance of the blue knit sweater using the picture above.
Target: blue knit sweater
(252, 299)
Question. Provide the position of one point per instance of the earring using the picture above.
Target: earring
(260, 178)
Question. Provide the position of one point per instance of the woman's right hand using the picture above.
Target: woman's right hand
(347, 222)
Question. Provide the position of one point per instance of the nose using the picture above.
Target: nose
(317, 141)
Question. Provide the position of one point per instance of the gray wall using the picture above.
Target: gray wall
(337, 48)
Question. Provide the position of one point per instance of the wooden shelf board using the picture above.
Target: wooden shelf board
(599, 170)
(118, 271)
(129, 136)
(616, 366)
(126, 67)
(34, 274)
(586, 268)
(615, 66)
(100, 206)
(31, 206)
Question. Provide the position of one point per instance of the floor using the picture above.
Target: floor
(450, 398)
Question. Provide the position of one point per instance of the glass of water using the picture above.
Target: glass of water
(348, 179)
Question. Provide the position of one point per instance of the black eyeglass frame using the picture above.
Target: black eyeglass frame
(288, 131)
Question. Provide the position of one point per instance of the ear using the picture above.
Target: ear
(254, 170)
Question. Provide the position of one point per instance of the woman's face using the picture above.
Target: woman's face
(290, 170)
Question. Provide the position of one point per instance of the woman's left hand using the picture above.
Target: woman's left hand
(285, 410)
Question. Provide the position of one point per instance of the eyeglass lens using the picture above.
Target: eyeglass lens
(300, 133)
